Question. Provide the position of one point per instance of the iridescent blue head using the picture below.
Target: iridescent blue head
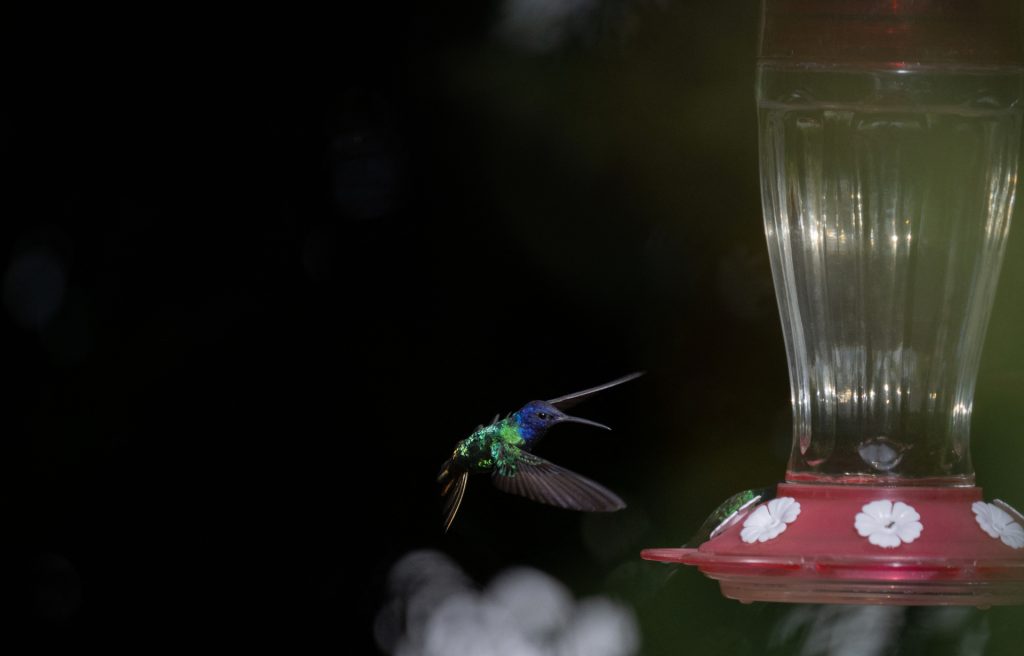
(536, 417)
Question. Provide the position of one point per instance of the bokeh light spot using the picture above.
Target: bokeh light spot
(34, 288)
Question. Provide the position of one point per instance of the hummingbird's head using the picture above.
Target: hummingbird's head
(536, 417)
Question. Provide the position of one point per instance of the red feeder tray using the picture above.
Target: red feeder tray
(821, 557)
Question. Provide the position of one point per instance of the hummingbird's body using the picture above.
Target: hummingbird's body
(496, 447)
(502, 449)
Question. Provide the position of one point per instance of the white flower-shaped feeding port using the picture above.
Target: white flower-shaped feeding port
(769, 519)
(998, 523)
(887, 524)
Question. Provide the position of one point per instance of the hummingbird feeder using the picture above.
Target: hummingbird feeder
(889, 139)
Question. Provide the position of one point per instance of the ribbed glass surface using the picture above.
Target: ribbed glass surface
(887, 197)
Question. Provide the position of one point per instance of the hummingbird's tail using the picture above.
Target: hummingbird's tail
(445, 473)
(454, 489)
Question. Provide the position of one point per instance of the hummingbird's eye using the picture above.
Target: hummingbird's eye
(542, 415)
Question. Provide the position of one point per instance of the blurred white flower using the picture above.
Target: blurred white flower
(463, 625)
(435, 610)
(998, 523)
(887, 524)
(769, 519)
(828, 630)
(599, 628)
(539, 604)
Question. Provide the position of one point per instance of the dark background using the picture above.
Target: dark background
(262, 273)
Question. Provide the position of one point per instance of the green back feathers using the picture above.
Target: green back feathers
(495, 446)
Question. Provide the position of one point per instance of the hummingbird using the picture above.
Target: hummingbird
(728, 512)
(503, 450)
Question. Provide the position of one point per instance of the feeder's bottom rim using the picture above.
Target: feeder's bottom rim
(964, 593)
(821, 581)
(707, 560)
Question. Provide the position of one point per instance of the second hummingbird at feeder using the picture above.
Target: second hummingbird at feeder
(503, 450)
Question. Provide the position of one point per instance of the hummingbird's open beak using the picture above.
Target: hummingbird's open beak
(580, 420)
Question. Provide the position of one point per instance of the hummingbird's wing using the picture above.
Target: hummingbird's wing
(539, 480)
(570, 400)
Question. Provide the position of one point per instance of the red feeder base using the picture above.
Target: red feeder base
(821, 557)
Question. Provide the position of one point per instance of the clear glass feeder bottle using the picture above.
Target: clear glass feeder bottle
(887, 197)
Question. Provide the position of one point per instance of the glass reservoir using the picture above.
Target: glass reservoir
(887, 195)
